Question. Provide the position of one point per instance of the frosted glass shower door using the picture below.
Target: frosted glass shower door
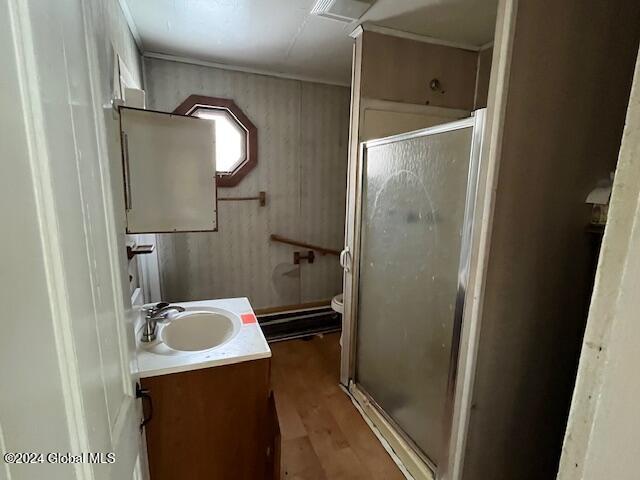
(417, 191)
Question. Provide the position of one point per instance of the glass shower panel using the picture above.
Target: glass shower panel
(413, 208)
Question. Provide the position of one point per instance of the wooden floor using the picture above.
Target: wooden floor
(323, 435)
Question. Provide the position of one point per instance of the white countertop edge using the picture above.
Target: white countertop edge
(218, 362)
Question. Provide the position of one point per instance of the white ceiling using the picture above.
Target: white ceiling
(281, 36)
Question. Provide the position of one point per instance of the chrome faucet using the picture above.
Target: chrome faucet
(154, 314)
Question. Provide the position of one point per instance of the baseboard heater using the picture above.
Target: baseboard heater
(299, 323)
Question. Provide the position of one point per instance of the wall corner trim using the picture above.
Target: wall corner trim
(488, 177)
(124, 6)
(486, 46)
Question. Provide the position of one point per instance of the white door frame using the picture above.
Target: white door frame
(603, 433)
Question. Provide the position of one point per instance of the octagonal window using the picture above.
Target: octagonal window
(231, 139)
(235, 136)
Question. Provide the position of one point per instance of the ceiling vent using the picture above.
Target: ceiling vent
(342, 10)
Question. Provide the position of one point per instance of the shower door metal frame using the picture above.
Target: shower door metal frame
(352, 271)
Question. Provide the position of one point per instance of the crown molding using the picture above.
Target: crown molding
(359, 30)
(372, 27)
(240, 68)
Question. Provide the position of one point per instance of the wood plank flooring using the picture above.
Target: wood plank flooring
(323, 435)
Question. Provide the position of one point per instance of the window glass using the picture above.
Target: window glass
(231, 139)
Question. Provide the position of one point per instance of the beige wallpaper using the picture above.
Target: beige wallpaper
(302, 163)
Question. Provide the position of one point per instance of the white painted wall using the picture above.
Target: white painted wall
(603, 434)
(302, 161)
(64, 359)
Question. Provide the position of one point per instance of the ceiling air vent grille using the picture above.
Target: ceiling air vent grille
(342, 10)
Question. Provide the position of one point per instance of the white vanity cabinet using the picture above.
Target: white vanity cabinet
(169, 171)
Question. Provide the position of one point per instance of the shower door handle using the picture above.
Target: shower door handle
(345, 259)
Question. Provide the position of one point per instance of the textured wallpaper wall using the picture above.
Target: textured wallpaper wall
(302, 164)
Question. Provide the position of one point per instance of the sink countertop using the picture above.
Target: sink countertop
(248, 344)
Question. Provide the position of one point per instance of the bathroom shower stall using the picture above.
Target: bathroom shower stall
(406, 272)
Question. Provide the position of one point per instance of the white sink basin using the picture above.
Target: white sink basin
(200, 329)
(209, 333)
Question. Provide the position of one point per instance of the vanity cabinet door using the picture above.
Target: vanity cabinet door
(210, 424)
(169, 172)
